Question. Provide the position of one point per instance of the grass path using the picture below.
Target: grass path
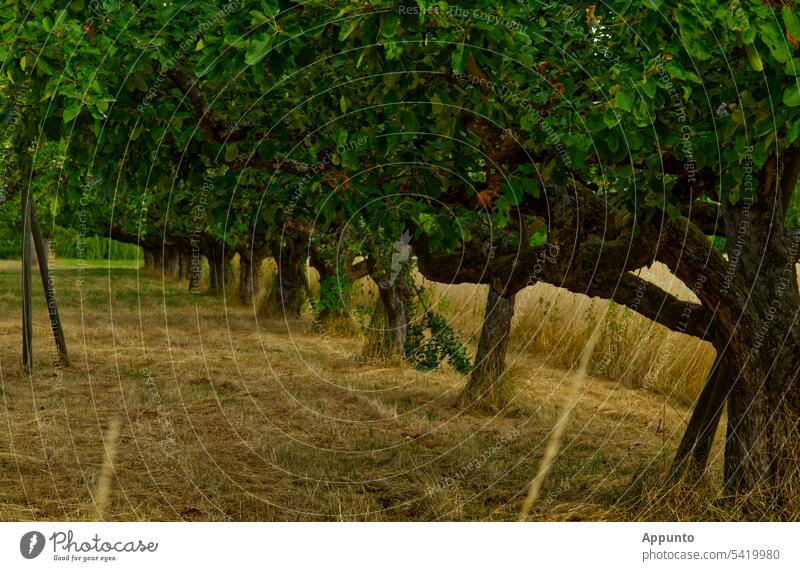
(222, 415)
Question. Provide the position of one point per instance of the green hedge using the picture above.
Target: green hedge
(66, 244)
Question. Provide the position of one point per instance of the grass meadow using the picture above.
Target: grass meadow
(179, 406)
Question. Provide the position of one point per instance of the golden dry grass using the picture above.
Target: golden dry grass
(226, 416)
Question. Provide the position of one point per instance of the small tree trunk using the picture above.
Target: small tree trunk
(154, 259)
(388, 327)
(219, 268)
(47, 284)
(184, 265)
(287, 296)
(171, 261)
(249, 273)
(149, 259)
(486, 387)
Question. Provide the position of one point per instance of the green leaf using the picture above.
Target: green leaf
(348, 29)
(409, 121)
(231, 152)
(458, 59)
(753, 57)
(791, 97)
(624, 99)
(772, 35)
(611, 118)
(343, 104)
(71, 111)
(791, 22)
(257, 50)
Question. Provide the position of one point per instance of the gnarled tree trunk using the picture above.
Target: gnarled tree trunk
(287, 295)
(171, 260)
(184, 264)
(757, 306)
(762, 449)
(487, 386)
(250, 261)
(388, 327)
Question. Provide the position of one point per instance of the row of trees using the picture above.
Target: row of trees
(509, 143)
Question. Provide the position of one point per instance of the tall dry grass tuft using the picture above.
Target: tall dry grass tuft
(551, 450)
(557, 325)
(102, 494)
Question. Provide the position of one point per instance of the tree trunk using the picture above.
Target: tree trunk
(388, 327)
(487, 385)
(249, 274)
(149, 259)
(762, 449)
(47, 284)
(171, 260)
(288, 293)
(184, 265)
(154, 258)
(219, 267)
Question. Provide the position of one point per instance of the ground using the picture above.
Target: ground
(179, 406)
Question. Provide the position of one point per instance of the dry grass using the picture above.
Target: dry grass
(225, 416)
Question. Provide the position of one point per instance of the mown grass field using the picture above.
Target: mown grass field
(189, 407)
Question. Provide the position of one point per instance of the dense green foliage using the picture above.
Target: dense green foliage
(581, 87)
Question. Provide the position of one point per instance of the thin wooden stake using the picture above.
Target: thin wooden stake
(47, 284)
(27, 255)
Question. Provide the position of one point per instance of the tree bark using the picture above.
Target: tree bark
(171, 260)
(487, 385)
(184, 265)
(762, 448)
(218, 267)
(388, 327)
(149, 259)
(249, 274)
(288, 293)
(47, 284)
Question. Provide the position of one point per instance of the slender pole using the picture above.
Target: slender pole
(27, 254)
(47, 284)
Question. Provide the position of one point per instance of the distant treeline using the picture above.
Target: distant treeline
(66, 243)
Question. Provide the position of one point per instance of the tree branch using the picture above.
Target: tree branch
(212, 129)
